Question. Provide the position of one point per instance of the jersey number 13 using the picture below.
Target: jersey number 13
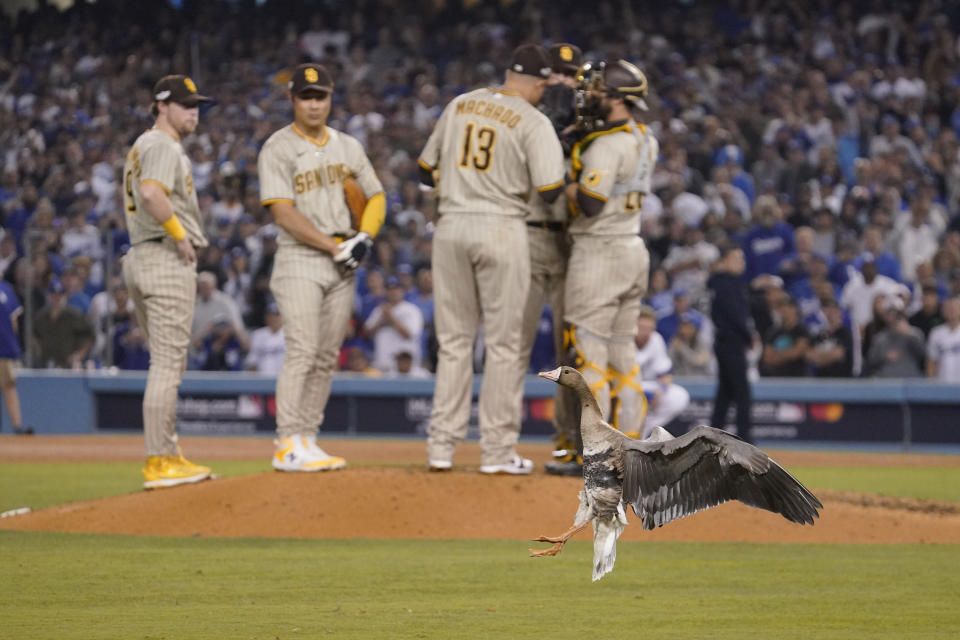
(477, 147)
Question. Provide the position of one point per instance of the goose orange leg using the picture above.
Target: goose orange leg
(558, 541)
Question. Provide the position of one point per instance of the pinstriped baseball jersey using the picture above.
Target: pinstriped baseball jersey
(492, 149)
(543, 211)
(158, 157)
(616, 167)
(309, 173)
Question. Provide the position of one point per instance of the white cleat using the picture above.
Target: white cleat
(516, 467)
(439, 465)
(301, 453)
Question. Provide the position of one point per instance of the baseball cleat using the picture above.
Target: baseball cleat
(573, 467)
(516, 467)
(564, 448)
(170, 471)
(301, 453)
(439, 465)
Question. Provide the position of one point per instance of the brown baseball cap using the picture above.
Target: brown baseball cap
(532, 60)
(180, 89)
(565, 58)
(310, 76)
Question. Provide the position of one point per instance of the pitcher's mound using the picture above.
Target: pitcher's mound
(405, 502)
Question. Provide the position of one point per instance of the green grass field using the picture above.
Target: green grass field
(77, 586)
(55, 585)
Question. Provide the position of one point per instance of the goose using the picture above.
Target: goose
(665, 478)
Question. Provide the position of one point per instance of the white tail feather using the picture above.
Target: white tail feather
(605, 534)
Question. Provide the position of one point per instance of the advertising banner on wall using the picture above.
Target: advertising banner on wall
(248, 414)
(808, 421)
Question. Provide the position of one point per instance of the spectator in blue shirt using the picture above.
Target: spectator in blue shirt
(221, 349)
(659, 297)
(682, 311)
(873, 249)
(769, 241)
(376, 293)
(731, 156)
(76, 297)
(844, 265)
(422, 297)
(130, 345)
(16, 221)
(10, 311)
(9, 185)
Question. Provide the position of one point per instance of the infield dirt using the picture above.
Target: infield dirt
(386, 493)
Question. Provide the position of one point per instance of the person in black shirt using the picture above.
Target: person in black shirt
(785, 345)
(733, 336)
(832, 351)
(929, 315)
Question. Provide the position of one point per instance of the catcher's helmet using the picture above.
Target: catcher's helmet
(626, 81)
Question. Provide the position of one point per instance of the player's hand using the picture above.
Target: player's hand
(353, 251)
(187, 253)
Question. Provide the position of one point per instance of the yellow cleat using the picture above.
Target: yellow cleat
(301, 453)
(169, 471)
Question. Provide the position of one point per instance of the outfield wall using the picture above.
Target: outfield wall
(910, 411)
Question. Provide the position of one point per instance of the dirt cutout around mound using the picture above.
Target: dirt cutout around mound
(386, 493)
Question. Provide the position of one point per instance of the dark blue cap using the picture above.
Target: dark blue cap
(55, 286)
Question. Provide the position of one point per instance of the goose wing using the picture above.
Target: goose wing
(703, 468)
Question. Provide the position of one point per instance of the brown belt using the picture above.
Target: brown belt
(547, 226)
(159, 239)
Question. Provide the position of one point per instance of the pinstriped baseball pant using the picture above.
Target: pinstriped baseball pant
(548, 264)
(163, 290)
(606, 277)
(315, 312)
(481, 265)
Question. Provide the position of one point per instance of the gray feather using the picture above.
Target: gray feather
(664, 481)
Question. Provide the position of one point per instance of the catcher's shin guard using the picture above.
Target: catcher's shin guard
(627, 401)
(587, 353)
(568, 445)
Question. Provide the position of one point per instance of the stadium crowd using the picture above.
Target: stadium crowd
(822, 137)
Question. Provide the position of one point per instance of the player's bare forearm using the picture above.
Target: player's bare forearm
(297, 225)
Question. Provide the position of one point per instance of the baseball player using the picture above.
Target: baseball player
(490, 149)
(302, 169)
(549, 244)
(160, 269)
(609, 263)
(662, 400)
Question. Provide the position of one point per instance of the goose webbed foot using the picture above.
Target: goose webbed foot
(552, 551)
(558, 541)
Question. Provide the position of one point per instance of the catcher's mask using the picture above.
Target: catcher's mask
(619, 79)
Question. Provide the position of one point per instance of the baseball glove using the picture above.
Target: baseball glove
(356, 201)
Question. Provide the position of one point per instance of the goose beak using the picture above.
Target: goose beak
(553, 376)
